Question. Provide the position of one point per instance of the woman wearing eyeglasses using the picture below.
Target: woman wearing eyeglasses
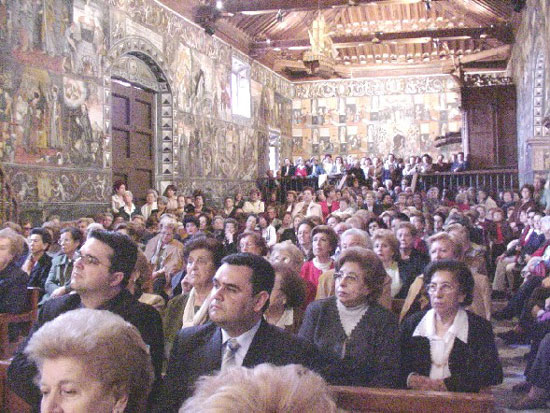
(448, 348)
(352, 326)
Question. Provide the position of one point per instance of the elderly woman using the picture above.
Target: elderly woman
(303, 235)
(91, 360)
(443, 246)
(129, 209)
(253, 243)
(203, 256)
(150, 205)
(448, 348)
(352, 325)
(13, 280)
(264, 388)
(286, 299)
(324, 243)
(287, 253)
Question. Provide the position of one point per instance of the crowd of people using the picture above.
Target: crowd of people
(381, 288)
(373, 169)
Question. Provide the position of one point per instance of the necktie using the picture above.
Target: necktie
(231, 347)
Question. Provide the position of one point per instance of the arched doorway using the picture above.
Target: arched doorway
(140, 105)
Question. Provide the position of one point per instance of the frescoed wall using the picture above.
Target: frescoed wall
(56, 62)
(375, 116)
(529, 66)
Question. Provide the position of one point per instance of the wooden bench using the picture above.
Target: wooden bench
(9, 401)
(28, 318)
(365, 399)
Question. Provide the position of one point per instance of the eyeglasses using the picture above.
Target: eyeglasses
(445, 288)
(88, 259)
(350, 277)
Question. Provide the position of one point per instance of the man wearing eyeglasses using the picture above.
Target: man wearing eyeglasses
(101, 271)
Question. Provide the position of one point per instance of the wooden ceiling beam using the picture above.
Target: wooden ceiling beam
(273, 6)
(502, 33)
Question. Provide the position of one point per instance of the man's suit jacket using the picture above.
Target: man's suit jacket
(173, 261)
(473, 365)
(197, 351)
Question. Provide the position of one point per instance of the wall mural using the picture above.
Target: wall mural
(531, 52)
(55, 67)
(376, 117)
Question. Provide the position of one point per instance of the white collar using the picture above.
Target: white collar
(459, 328)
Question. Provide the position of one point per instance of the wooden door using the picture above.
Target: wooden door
(133, 120)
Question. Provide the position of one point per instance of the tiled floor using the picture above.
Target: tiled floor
(513, 365)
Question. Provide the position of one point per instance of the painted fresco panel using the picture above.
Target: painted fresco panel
(385, 116)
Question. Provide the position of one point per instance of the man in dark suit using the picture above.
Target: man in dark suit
(101, 271)
(242, 286)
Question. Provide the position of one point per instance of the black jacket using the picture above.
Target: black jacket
(198, 351)
(473, 365)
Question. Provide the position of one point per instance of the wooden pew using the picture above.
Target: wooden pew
(365, 399)
(28, 318)
(9, 401)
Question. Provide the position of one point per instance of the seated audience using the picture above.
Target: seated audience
(286, 299)
(448, 348)
(352, 325)
(91, 361)
(242, 286)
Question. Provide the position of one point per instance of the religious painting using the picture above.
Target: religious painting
(35, 31)
(87, 38)
(223, 92)
(84, 141)
(180, 67)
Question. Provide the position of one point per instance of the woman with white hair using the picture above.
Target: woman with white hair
(13, 280)
(91, 361)
(262, 389)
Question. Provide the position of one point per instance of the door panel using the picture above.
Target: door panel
(133, 138)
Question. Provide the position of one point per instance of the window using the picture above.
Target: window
(240, 88)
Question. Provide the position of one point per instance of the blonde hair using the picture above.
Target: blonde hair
(387, 236)
(263, 389)
(16, 241)
(110, 348)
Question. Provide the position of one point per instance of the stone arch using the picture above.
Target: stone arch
(153, 58)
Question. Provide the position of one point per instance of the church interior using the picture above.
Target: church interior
(210, 100)
(395, 76)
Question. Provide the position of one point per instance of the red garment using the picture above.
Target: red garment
(301, 171)
(310, 273)
(500, 237)
(335, 206)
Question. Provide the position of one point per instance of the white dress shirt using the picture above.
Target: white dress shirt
(244, 341)
(441, 347)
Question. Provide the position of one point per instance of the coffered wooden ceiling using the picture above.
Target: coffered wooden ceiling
(372, 37)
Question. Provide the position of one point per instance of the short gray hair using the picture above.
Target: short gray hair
(262, 389)
(17, 241)
(110, 348)
(366, 241)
